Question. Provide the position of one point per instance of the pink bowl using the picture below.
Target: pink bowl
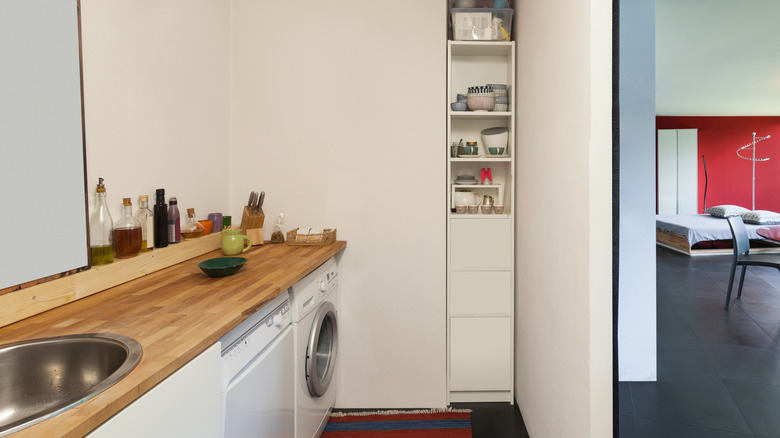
(481, 103)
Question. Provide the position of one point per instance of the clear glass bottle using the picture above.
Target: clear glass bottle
(278, 234)
(174, 221)
(146, 218)
(127, 232)
(191, 228)
(101, 243)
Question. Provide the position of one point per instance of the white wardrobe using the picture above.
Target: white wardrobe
(678, 160)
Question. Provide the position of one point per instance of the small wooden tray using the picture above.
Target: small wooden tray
(327, 237)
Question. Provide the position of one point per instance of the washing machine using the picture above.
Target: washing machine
(315, 332)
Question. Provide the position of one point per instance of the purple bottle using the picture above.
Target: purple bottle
(174, 221)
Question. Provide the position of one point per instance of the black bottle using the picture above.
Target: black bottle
(160, 220)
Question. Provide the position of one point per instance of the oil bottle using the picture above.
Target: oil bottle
(127, 232)
(191, 228)
(101, 244)
(146, 218)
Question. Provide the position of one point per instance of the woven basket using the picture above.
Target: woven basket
(327, 237)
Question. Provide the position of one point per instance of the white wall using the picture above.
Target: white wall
(156, 100)
(326, 118)
(637, 322)
(563, 245)
(338, 114)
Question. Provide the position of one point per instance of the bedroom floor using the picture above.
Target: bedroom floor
(718, 370)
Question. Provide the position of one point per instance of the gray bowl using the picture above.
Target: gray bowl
(459, 106)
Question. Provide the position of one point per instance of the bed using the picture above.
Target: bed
(703, 234)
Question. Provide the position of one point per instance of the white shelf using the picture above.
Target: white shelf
(477, 186)
(480, 114)
(479, 216)
(480, 247)
(481, 48)
(481, 160)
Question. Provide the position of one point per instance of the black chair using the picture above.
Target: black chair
(742, 256)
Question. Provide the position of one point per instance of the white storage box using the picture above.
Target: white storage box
(470, 24)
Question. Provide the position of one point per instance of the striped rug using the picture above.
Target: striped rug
(440, 423)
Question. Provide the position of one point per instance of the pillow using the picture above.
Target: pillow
(761, 217)
(726, 211)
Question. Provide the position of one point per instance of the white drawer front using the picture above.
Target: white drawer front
(480, 354)
(481, 244)
(481, 293)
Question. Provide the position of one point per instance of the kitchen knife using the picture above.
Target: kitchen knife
(260, 203)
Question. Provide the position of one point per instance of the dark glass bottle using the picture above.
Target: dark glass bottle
(174, 222)
(160, 220)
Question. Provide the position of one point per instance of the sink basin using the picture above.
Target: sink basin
(44, 377)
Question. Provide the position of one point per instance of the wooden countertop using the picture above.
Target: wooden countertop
(175, 314)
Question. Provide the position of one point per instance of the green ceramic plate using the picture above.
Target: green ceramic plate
(222, 266)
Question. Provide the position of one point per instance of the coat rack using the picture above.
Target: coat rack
(752, 146)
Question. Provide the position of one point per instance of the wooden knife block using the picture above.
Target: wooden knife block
(252, 226)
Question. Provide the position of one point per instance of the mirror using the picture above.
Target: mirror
(43, 196)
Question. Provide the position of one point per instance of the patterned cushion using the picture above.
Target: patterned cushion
(761, 217)
(726, 211)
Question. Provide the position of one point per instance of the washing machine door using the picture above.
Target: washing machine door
(321, 350)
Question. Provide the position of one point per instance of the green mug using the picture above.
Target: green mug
(233, 242)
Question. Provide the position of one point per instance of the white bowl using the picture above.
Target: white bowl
(495, 137)
(502, 107)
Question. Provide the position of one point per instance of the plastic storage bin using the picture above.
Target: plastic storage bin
(469, 24)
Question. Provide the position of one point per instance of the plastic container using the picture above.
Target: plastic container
(480, 4)
(481, 24)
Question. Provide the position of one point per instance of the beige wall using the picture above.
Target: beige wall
(338, 113)
(563, 281)
(156, 100)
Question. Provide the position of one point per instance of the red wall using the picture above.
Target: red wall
(731, 177)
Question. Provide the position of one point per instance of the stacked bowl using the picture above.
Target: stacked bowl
(501, 97)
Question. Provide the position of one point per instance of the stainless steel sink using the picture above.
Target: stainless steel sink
(44, 377)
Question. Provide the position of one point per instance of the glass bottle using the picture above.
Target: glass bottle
(127, 232)
(174, 221)
(160, 220)
(146, 218)
(100, 226)
(191, 228)
(278, 234)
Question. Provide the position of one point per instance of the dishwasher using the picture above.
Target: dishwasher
(258, 391)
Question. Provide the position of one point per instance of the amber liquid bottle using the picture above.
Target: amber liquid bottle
(191, 228)
(127, 232)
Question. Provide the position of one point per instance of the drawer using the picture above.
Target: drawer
(481, 244)
(481, 292)
(480, 354)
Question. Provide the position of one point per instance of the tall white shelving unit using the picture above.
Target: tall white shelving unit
(480, 247)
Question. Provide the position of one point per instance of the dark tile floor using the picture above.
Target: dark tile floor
(718, 370)
(495, 420)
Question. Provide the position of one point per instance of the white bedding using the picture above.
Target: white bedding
(701, 227)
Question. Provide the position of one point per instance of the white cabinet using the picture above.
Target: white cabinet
(482, 345)
(187, 403)
(678, 162)
(480, 246)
